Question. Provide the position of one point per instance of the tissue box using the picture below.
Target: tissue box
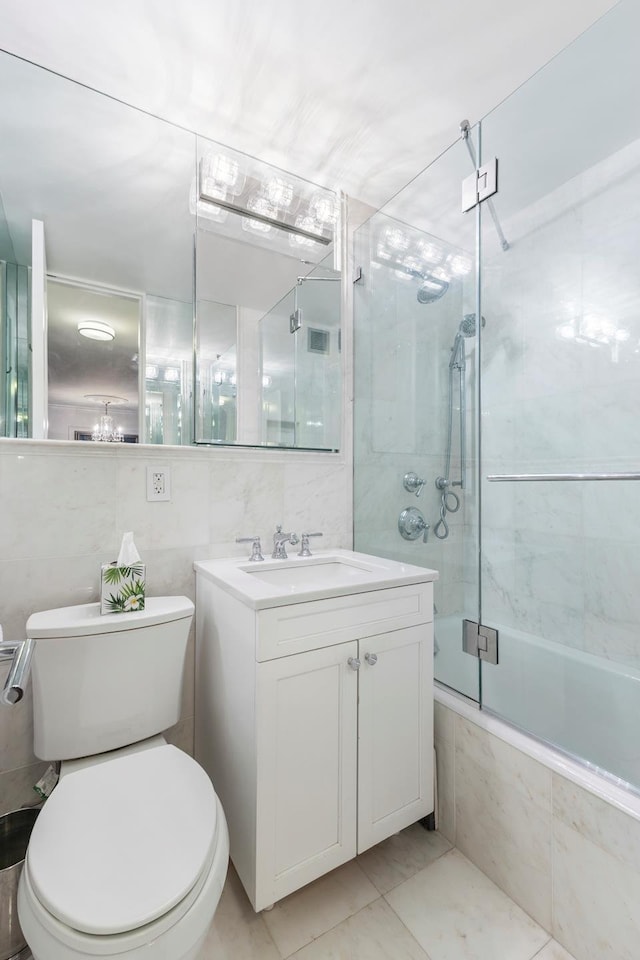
(121, 588)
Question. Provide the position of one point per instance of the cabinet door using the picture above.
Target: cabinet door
(307, 768)
(395, 751)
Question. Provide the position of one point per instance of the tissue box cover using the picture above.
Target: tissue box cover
(121, 588)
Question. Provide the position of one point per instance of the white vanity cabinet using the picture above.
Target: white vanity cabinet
(314, 720)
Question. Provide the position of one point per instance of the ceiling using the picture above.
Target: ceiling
(357, 96)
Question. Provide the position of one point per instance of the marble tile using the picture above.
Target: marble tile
(179, 522)
(553, 951)
(456, 913)
(317, 498)
(245, 498)
(445, 765)
(503, 763)
(503, 818)
(401, 856)
(508, 838)
(16, 730)
(31, 585)
(237, 932)
(596, 899)
(374, 933)
(549, 568)
(598, 821)
(308, 913)
(56, 506)
(170, 571)
(16, 786)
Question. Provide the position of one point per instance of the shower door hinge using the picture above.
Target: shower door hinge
(480, 641)
(480, 185)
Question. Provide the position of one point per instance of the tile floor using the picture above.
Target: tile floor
(413, 897)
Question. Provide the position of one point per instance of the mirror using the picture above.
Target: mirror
(190, 257)
(93, 352)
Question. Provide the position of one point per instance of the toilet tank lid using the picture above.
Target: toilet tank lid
(86, 619)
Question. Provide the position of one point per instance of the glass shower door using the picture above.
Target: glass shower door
(415, 410)
(560, 387)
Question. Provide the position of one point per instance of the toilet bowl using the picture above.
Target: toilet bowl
(129, 861)
(129, 854)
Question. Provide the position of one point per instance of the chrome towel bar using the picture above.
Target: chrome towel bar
(517, 477)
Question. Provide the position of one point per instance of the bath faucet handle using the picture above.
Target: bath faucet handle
(256, 550)
(413, 483)
(304, 544)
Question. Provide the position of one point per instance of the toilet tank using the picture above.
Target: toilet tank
(102, 682)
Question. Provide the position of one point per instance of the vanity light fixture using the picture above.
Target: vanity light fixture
(264, 203)
(96, 330)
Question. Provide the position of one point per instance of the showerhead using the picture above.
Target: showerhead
(431, 289)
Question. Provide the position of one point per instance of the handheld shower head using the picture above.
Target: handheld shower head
(468, 326)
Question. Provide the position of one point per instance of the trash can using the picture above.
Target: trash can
(15, 830)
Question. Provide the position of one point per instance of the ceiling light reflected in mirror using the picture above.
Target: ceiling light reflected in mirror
(96, 330)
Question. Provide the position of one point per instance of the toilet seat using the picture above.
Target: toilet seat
(179, 933)
(123, 843)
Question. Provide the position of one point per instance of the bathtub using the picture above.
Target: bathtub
(577, 713)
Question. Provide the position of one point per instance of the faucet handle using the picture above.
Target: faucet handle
(304, 547)
(256, 551)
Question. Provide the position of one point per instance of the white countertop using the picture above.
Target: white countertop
(328, 573)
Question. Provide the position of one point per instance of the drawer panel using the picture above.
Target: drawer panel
(297, 627)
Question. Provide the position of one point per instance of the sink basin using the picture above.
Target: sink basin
(331, 573)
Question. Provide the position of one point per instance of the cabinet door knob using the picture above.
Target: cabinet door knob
(371, 658)
(354, 663)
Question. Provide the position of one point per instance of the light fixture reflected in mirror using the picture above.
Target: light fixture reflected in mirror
(265, 198)
(96, 330)
(105, 431)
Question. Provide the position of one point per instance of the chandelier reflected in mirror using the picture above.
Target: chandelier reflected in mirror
(105, 430)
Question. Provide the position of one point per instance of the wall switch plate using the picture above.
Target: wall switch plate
(158, 482)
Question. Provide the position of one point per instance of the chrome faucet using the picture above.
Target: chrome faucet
(279, 541)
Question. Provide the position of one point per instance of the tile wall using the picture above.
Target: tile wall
(568, 858)
(65, 507)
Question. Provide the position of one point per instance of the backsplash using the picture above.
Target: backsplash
(65, 507)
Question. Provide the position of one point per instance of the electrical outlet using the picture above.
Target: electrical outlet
(158, 482)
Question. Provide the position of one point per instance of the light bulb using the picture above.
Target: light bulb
(323, 209)
(567, 331)
(395, 239)
(460, 266)
(279, 192)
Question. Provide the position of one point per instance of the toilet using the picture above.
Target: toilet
(129, 854)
